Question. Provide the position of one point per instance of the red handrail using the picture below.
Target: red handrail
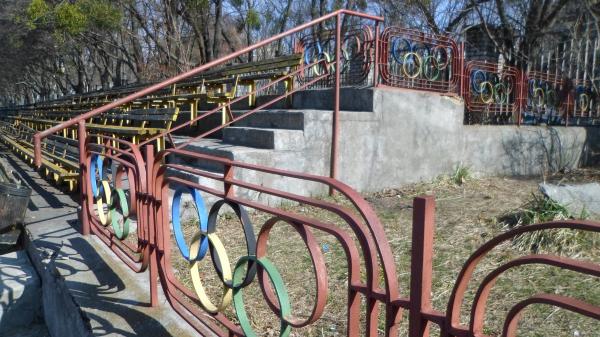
(38, 136)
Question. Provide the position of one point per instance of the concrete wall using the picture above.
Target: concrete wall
(392, 137)
(413, 136)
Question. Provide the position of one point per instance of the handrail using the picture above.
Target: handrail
(38, 136)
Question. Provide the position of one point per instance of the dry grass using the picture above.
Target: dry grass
(467, 215)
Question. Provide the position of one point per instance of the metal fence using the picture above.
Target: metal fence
(131, 199)
(417, 60)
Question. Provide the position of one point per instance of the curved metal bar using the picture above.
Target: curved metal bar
(371, 265)
(481, 93)
(362, 206)
(319, 269)
(481, 297)
(443, 75)
(567, 303)
(453, 310)
(346, 241)
(130, 160)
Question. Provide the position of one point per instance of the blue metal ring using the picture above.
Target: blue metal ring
(307, 56)
(476, 86)
(395, 55)
(96, 165)
(202, 218)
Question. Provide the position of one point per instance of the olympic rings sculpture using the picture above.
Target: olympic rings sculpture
(418, 59)
(491, 88)
(355, 50)
(542, 95)
(234, 279)
(114, 197)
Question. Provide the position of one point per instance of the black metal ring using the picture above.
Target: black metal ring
(248, 233)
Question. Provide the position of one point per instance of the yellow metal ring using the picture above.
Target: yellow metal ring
(584, 101)
(486, 99)
(317, 67)
(217, 245)
(539, 94)
(105, 218)
(418, 64)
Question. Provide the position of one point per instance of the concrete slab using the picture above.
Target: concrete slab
(576, 198)
(20, 292)
(276, 139)
(87, 290)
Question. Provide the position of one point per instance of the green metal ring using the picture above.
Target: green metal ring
(121, 232)
(431, 61)
(239, 274)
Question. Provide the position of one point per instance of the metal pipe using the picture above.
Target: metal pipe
(38, 136)
(201, 68)
(238, 99)
(335, 119)
(421, 265)
(377, 51)
(153, 273)
(83, 213)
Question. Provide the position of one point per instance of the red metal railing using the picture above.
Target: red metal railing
(546, 100)
(417, 60)
(491, 92)
(142, 191)
(357, 50)
(584, 107)
(477, 320)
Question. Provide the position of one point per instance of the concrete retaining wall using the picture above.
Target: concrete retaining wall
(392, 137)
(413, 136)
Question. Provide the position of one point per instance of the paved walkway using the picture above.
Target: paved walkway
(115, 299)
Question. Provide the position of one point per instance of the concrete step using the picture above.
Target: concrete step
(274, 119)
(351, 99)
(213, 147)
(20, 292)
(264, 138)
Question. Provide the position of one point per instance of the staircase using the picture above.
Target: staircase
(274, 138)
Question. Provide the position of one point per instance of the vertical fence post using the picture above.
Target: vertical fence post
(336, 103)
(377, 56)
(227, 177)
(521, 98)
(37, 150)
(421, 265)
(463, 64)
(151, 216)
(83, 213)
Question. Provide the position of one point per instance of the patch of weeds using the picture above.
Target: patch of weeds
(542, 209)
(461, 175)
